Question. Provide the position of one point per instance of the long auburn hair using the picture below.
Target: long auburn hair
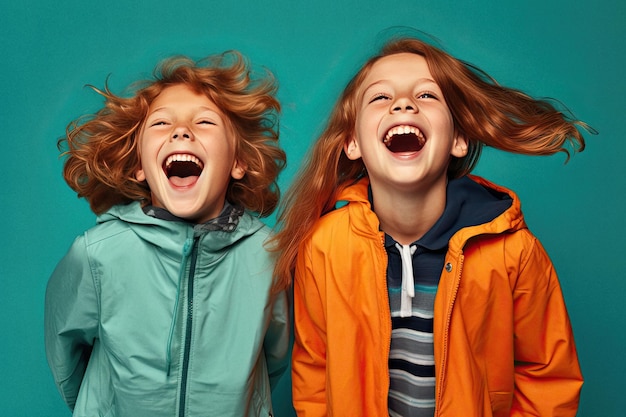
(484, 112)
(101, 150)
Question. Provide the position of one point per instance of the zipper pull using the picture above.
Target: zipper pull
(187, 247)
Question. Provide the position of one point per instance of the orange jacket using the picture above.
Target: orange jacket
(502, 337)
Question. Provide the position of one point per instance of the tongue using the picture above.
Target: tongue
(183, 181)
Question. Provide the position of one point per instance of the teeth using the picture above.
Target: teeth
(401, 130)
(182, 158)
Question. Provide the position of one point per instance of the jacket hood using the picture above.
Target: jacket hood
(153, 229)
(509, 220)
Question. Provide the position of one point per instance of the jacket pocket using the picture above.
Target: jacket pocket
(501, 403)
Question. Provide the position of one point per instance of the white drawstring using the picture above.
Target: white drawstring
(408, 283)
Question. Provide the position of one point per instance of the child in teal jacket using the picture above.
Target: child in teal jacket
(168, 306)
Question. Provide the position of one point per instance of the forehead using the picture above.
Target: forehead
(180, 94)
(398, 66)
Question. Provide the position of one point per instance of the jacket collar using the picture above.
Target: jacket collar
(172, 234)
(356, 196)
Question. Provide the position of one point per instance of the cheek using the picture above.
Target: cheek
(147, 150)
(447, 121)
(226, 146)
(147, 162)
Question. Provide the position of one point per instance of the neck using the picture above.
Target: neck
(407, 216)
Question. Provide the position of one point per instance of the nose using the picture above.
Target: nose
(404, 104)
(182, 132)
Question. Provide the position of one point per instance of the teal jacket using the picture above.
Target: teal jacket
(148, 317)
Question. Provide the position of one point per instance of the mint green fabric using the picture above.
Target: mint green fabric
(110, 308)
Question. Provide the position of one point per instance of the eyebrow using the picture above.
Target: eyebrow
(202, 108)
(383, 81)
(199, 109)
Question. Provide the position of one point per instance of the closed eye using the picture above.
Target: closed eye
(378, 97)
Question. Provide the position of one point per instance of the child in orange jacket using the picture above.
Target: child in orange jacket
(418, 288)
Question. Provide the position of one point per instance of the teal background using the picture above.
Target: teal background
(572, 50)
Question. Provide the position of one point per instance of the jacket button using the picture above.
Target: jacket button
(449, 267)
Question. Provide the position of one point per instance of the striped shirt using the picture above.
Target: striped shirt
(411, 360)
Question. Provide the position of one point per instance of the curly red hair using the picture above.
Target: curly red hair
(102, 149)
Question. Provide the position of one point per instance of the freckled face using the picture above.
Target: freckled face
(404, 130)
(187, 152)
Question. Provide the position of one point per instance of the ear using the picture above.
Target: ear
(459, 147)
(351, 149)
(140, 175)
(239, 170)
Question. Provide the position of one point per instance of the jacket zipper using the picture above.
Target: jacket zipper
(442, 370)
(187, 348)
(388, 315)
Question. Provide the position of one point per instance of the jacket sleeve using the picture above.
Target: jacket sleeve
(276, 343)
(70, 320)
(309, 351)
(547, 374)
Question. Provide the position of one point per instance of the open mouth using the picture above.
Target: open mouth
(182, 169)
(404, 138)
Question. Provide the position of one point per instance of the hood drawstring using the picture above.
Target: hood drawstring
(187, 248)
(408, 282)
